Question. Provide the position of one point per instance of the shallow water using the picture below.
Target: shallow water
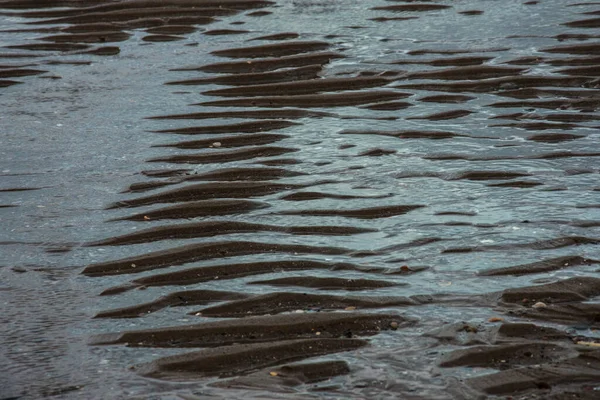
(461, 184)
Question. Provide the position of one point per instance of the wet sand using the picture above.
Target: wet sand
(300, 199)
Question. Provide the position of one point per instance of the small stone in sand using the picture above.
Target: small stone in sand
(495, 319)
(216, 144)
(539, 304)
(394, 325)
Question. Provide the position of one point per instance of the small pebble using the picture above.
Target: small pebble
(273, 373)
(299, 311)
(216, 144)
(539, 304)
(495, 319)
(394, 325)
(351, 308)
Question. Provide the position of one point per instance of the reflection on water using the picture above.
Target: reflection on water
(298, 199)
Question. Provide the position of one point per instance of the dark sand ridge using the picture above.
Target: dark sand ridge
(412, 7)
(497, 84)
(226, 156)
(360, 213)
(444, 115)
(559, 117)
(193, 209)
(273, 50)
(457, 99)
(584, 23)
(567, 290)
(328, 283)
(470, 72)
(255, 114)
(207, 191)
(62, 47)
(137, 4)
(29, 4)
(445, 52)
(516, 184)
(216, 228)
(462, 333)
(88, 37)
(287, 75)
(234, 271)
(191, 14)
(388, 106)
(202, 297)
(279, 302)
(264, 65)
(580, 369)
(272, 303)
(172, 29)
(287, 113)
(585, 49)
(228, 141)
(547, 265)
(584, 104)
(226, 174)
(543, 156)
(548, 244)
(581, 71)
(539, 126)
(446, 62)
(407, 134)
(501, 356)
(242, 127)
(133, 19)
(287, 375)
(7, 83)
(259, 329)
(216, 32)
(301, 87)
(14, 73)
(243, 358)
(304, 196)
(205, 251)
(279, 161)
(385, 19)
(161, 38)
(308, 101)
(176, 299)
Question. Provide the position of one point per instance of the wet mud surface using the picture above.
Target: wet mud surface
(299, 199)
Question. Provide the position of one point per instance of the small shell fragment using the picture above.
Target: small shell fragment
(590, 344)
(539, 304)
